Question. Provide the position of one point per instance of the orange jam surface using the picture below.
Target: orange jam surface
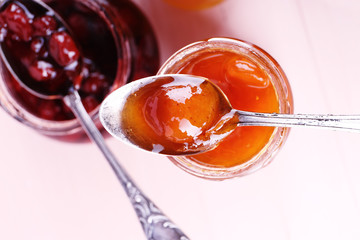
(248, 87)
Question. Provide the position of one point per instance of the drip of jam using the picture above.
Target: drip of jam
(177, 115)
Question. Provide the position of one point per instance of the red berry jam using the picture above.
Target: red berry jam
(48, 64)
(49, 58)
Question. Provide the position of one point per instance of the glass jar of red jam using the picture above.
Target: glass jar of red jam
(252, 81)
(118, 46)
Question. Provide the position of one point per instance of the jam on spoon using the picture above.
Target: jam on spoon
(170, 114)
(183, 114)
(57, 75)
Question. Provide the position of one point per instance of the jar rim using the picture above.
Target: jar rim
(282, 88)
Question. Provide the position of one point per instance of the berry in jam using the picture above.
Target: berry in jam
(95, 84)
(44, 25)
(18, 20)
(42, 71)
(62, 48)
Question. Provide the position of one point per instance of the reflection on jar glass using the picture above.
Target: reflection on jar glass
(253, 81)
(118, 45)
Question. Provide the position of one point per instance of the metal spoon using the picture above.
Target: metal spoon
(155, 224)
(113, 106)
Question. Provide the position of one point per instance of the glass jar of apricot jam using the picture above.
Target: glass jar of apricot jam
(252, 81)
(116, 41)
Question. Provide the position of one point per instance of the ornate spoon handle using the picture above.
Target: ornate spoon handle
(338, 122)
(155, 224)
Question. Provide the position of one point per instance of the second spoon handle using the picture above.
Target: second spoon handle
(338, 122)
(155, 224)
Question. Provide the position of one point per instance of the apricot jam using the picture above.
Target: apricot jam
(167, 115)
(253, 81)
(248, 87)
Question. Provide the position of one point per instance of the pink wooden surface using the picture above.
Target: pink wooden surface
(57, 190)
